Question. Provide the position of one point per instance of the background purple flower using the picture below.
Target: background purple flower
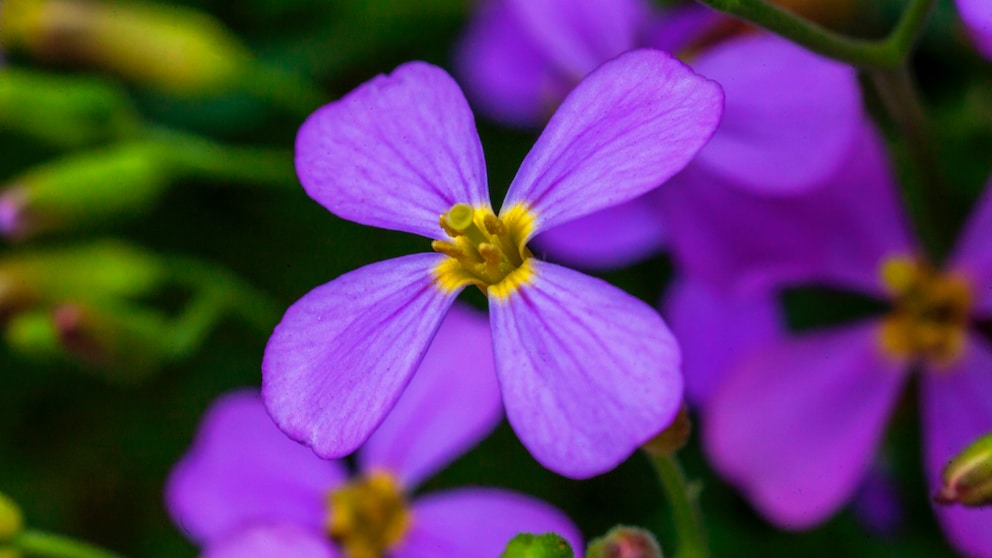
(796, 425)
(977, 15)
(588, 373)
(244, 489)
(788, 125)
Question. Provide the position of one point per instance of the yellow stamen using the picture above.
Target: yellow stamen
(931, 312)
(485, 250)
(369, 515)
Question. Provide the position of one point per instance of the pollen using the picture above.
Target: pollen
(369, 515)
(484, 250)
(931, 311)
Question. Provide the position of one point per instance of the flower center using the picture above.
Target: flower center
(930, 317)
(485, 250)
(369, 515)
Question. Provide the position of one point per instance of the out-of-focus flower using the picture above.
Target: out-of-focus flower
(245, 489)
(588, 372)
(787, 127)
(797, 424)
(977, 15)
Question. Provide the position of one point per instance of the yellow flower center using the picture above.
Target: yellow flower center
(369, 515)
(931, 312)
(485, 250)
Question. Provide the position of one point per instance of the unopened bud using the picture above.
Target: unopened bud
(673, 438)
(625, 542)
(64, 111)
(165, 47)
(83, 189)
(967, 479)
(125, 344)
(548, 545)
(11, 522)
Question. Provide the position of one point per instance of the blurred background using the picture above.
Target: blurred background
(155, 231)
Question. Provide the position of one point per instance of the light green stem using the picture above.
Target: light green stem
(889, 52)
(684, 499)
(38, 543)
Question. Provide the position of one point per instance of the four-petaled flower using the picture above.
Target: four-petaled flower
(587, 371)
(245, 489)
(796, 424)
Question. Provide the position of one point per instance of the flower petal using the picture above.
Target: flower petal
(578, 35)
(629, 126)
(613, 237)
(273, 541)
(956, 411)
(740, 240)
(679, 27)
(451, 404)
(504, 72)
(973, 253)
(241, 469)
(789, 122)
(796, 426)
(588, 372)
(339, 359)
(478, 523)
(395, 153)
(977, 15)
(699, 315)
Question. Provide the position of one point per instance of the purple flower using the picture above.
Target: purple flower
(790, 117)
(245, 489)
(796, 426)
(587, 372)
(977, 15)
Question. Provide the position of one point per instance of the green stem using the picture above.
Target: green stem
(684, 499)
(198, 157)
(38, 543)
(925, 184)
(889, 52)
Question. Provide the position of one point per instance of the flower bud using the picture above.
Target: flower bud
(625, 542)
(11, 522)
(548, 545)
(64, 111)
(673, 438)
(125, 344)
(967, 479)
(165, 47)
(83, 189)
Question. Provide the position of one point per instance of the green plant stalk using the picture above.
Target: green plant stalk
(47, 545)
(683, 497)
(889, 52)
(192, 156)
(927, 187)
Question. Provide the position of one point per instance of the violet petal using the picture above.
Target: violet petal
(629, 126)
(395, 153)
(588, 372)
(796, 426)
(341, 356)
(451, 404)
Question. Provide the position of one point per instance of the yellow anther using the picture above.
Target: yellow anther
(931, 312)
(447, 248)
(494, 225)
(369, 515)
(486, 249)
